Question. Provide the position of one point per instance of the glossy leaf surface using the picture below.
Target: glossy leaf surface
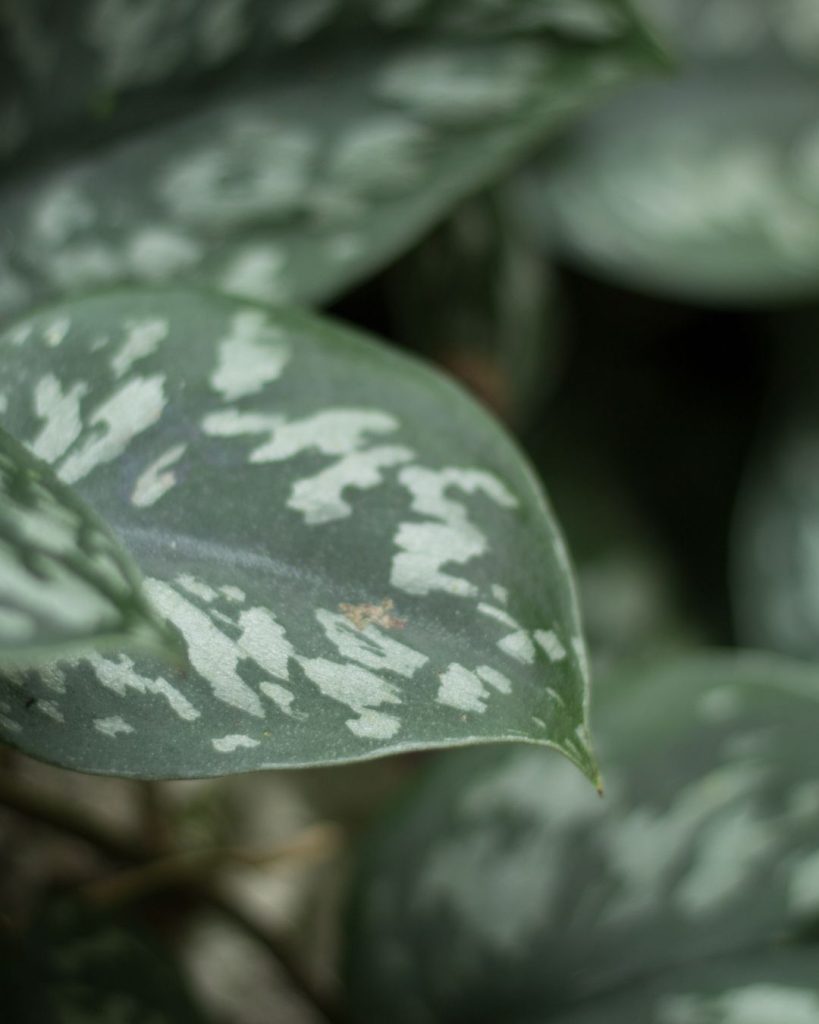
(359, 559)
(77, 964)
(501, 890)
(702, 187)
(295, 183)
(64, 580)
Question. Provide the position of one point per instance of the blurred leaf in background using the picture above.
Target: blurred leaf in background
(77, 963)
(702, 187)
(332, 137)
(498, 889)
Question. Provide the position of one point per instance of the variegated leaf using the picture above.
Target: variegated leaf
(359, 559)
(702, 187)
(501, 891)
(117, 65)
(312, 175)
(65, 583)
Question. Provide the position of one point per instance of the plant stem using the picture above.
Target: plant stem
(190, 867)
(56, 814)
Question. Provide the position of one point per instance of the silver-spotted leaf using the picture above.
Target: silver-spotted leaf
(301, 181)
(77, 964)
(65, 582)
(119, 66)
(702, 187)
(500, 890)
(359, 559)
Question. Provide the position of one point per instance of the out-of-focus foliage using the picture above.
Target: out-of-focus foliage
(779, 985)
(333, 135)
(500, 889)
(775, 551)
(703, 186)
(78, 964)
(357, 557)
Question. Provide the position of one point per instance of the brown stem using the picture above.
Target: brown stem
(191, 867)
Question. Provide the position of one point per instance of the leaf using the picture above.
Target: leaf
(359, 559)
(78, 964)
(295, 184)
(117, 65)
(720, 30)
(65, 583)
(500, 890)
(702, 188)
(776, 987)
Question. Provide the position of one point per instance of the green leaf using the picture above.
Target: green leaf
(703, 187)
(116, 65)
(775, 987)
(65, 583)
(718, 30)
(306, 178)
(359, 559)
(77, 964)
(500, 889)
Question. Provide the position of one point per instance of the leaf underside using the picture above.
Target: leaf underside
(65, 583)
(358, 558)
(702, 187)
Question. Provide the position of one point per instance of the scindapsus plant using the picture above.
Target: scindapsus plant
(240, 534)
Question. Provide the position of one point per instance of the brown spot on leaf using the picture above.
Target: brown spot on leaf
(363, 615)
